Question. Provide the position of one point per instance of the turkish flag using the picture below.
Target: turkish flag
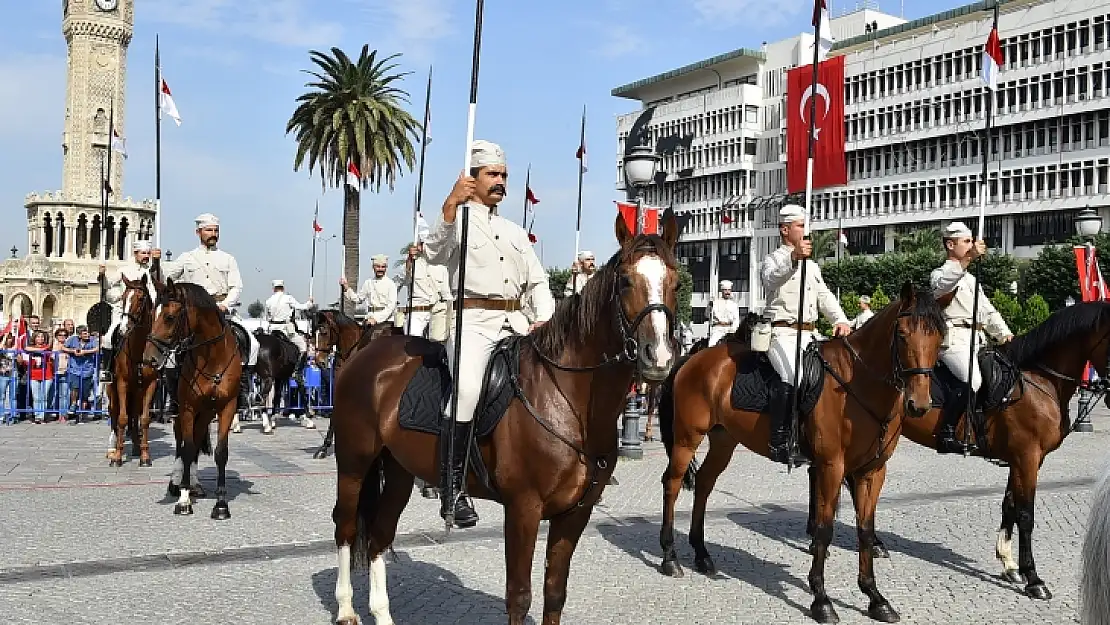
(1092, 288)
(830, 166)
(650, 216)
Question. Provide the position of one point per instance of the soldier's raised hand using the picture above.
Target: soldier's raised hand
(978, 249)
(803, 249)
(460, 194)
(343, 281)
(156, 253)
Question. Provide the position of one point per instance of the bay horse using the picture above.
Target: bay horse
(189, 325)
(278, 360)
(1027, 386)
(545, 436)
(1094, 579)
(857, 393)
(134, 382)
(334, 329)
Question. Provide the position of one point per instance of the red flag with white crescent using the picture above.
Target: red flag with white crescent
(830, 164)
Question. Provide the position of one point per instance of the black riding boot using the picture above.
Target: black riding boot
(244, 390)
(465, 516)
(172, 377)
(108, 362)
(782, 420)
(947, 442)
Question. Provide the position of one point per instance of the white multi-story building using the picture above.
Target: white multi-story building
(914, 116)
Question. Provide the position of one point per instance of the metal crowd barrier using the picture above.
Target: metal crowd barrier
(31, 387)
(315, 396)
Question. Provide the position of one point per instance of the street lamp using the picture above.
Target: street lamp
(1087, 225)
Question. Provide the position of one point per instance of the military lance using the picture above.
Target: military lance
(464, 223)
(419, 198)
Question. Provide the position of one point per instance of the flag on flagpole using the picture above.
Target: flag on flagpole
(428, 129)
(167, 104)
(422, 227)
(581, 155)
(726, 218)
(316, 228)
(992, 60)
(825, 39)
(119, 144)
(529, 196)
(354, 176)
(649, 215)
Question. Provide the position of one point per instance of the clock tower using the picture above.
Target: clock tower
(67, 234)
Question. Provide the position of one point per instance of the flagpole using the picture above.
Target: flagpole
(419, 198)
(158, 145)
(107, 184)
(448, 493)
(578, 223)
(984, 189)
(527, 185)
(315, 237)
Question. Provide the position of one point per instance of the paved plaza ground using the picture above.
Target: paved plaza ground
(84, 543)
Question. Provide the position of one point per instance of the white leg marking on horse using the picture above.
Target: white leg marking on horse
(309, 423)
(379, 595)
(178, 471)
(344, 592)
(185, 498)
(194, 474)
(1004, 550)
(235, 427)
(654, 271)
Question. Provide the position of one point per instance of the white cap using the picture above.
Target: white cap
(957, 230)
(277, 283)
(206, 220)
(790, 213)
(379, 259)
(484, 154)
(726, 284)
(141, 245)
(583, 255)
(865, 299)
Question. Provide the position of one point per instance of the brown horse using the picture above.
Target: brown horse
(1031, 419)
(550, 455)
(853, 415)
(333, 329)
(134, 381)
(189, 325)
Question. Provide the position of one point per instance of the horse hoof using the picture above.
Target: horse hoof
(823, 612)
(1013, 576)
(879, 551)
(320, 454)
(267, 430)
(309, 425)
(1038, 591)
(706, 565)
(115, 462)
(237, 430)
(883, 613)
(672, 568)
(145, 462)
(183, 508)
(221, 512)
(173, 490)
(348, 621)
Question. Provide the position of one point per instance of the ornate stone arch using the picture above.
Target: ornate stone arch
(21, 302)
(49, 305)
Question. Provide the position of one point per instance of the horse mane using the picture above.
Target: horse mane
(192, 295)
(579, 317)
(1059, 328)
(926, 310)
(337, 315)
(1094, 581)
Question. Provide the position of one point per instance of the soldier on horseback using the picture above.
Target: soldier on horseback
(279, 312)
(960, 249)
(379, 293)
(581, 271)
(216, 272)
(431, 292)
(781, 276)
(135, 270)
(502, 269)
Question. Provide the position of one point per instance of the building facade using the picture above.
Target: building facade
(66, 238)
(915, 112)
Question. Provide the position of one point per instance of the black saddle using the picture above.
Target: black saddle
(242, 340)
(756, 381)
(1001, 378)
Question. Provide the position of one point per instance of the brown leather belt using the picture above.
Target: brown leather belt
(485, 303)
(807, 327)
(968, 325)
(420, 309)
(376, 308)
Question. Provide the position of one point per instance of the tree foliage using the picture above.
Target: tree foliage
(254, 311)
(557, 279)
(685, 295)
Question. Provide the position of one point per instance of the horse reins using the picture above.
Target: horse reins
(185, 345)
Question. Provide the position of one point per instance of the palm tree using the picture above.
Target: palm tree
(927, 239)
(824, 244)
(353, 113)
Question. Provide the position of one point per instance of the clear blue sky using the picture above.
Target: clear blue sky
(234, 67)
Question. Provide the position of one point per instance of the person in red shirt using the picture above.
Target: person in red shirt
(40, 372)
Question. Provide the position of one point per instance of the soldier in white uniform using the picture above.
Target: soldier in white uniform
(133, 271)
(501, 269)
(216, 272)
(280, 311)
(379, 293)
(431, 291)
(865, 312)
(781, 276)
(956, 348)
(584, 268)
(724, 317)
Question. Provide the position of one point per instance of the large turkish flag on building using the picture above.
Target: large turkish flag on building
(830, 167)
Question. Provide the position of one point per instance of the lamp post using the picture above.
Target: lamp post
(1087, 225)
(640, 164)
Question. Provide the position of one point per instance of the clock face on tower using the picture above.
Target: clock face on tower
(107, 5)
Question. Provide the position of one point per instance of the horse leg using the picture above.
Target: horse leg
(1025, 491)
(394, 498)
(865, 495)
(522, 525)
(878, 549)
(220, 511)
(829, 476)
(269, 421)
(681, 455)
(322, 452)
(118, 390)
(721, 446)
(144, 424)
(187, 458)
(1004, 547)
(562, 539)
(353, 514)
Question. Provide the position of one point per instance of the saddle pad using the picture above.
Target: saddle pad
(756, 382)
(1000, 379)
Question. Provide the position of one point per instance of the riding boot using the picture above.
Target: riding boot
(109, 363)
(465, 516)
(782, 420)
(947, 442)
(172, 377)
(244, 390)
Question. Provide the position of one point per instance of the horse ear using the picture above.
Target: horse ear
(907, 291)
(670, 228)
(624, 235)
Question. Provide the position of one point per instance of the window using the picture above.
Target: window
(751, 114)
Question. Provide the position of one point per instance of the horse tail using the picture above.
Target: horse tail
(1094, 585)
(665, 412)
(368, 496)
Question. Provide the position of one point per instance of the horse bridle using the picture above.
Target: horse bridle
(185, 344)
